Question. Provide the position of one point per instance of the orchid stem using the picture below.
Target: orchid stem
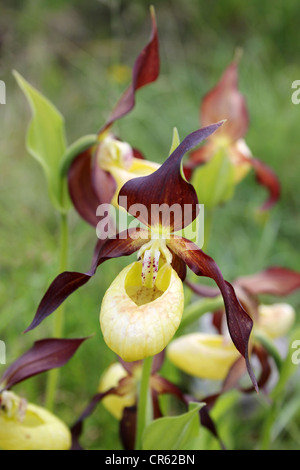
(196, 309)
(53, 375)
(270, 348)
(144, 411)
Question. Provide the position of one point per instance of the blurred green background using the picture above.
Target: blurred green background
(67, 49)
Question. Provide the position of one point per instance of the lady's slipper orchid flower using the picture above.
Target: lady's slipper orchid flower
(118, 392)
(207, 356)
(161, 252)
(97, 172)
(225, 101)
(25, 426)
(272, 321)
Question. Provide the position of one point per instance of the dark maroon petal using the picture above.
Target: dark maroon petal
(267, 178)
(161, 385)
(275, 280)
(205, 418)
(127, 428)
(225, 101)
(66, 283)
(145, 71)
(103, 183)
(238, 321)
(157, 362)
(179, 266)
(129, 366)
(138, 154)
(63, 285)
(201, 290)
(266, 370)
(157, 413)
(77, 428)
(238, 370)
(166, 189)
(81, 188)
(45, 354)
(235, 373)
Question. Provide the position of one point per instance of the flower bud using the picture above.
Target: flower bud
(139, 321)
(206, 356)
(24, 426)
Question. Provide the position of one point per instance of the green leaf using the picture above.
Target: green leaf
(174, 432)
(175, 140)
(214, 181)
(46, 142)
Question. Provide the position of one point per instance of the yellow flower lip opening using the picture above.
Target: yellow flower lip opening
(30, 427)
(207, 356)
(138, 321)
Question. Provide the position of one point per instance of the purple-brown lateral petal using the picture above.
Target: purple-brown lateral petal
(179, 266)
(165, 198)
(238, 321)
(157, 363)
(125, 243)
(127, 429)
(45, 354)
(225, 101)
(267, 178)
(203, 291)
(145, 71)
(266, 370)
(77, 427)
(81, 190)
(275, 280)
(103, 183)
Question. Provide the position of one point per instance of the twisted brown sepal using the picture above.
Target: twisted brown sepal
(125, 243)
(166, 186)
(225, 101)
(267, 178)
(89, 185)
(145, 71)
(45, 354)
(238, 321)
